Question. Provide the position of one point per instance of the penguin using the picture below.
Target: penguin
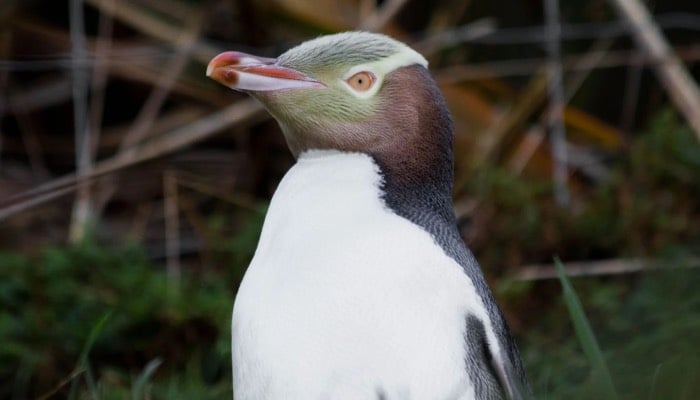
(361, 286)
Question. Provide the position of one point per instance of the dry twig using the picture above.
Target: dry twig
(677, 81)
(599, 268)
(242, 112)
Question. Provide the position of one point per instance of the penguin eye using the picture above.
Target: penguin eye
(362, 81)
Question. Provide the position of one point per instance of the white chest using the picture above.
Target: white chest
(344, 299)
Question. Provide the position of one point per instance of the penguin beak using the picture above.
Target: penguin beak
(248, 73)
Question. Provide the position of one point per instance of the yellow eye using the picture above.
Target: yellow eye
(361, 81)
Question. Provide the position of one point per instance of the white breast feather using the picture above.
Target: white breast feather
(345, 298)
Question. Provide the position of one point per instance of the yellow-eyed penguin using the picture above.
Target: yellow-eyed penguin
(361, 286)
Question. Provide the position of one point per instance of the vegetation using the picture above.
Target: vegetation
(647, 206)
(647, 330)
(53, 303)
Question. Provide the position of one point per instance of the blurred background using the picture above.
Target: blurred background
(133, 189)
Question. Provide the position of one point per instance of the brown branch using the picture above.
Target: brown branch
(242, 112)
(381, 16)
(100, 74)
(82, 206)
(524, 67)
(600, 268)
(672, 73)
(142, 20)
(166, 81)
(172, 230)
(555, 91)
(41, 95)
(74, 374)
(534, 136)
(198, 184)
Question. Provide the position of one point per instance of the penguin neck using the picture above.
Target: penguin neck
(422, 194)
(417, 163)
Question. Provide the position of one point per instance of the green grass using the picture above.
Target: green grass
(56, 333)
(599, 368)
(638, 338)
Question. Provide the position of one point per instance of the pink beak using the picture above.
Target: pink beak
(245, 72)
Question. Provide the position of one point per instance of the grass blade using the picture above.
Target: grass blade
(82, 361)
(585, 334)
(657, 372)
(138, 389)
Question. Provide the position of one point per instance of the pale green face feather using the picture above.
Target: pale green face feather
(332, 60)
(346, 49)
(307, 88)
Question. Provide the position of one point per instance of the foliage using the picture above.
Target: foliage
(586, 337)
(646, 206)
(648, 332)
(51, 302)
